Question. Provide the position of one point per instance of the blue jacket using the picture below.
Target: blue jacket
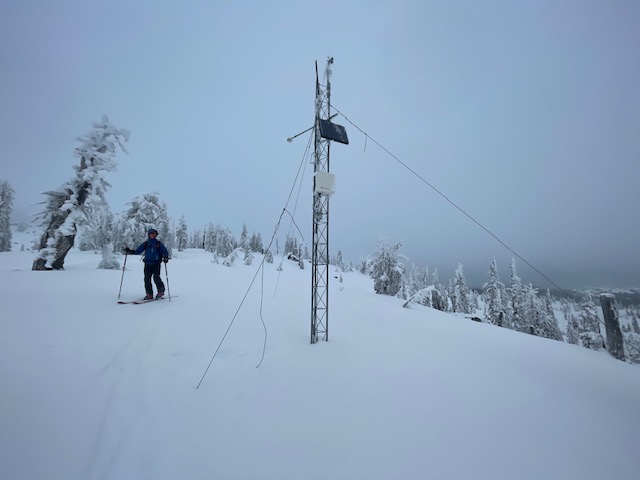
(153, 250)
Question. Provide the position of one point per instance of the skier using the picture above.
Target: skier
(154, 253)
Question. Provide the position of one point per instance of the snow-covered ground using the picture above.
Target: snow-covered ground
(95, 390)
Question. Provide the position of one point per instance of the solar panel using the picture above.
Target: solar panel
(334, 132)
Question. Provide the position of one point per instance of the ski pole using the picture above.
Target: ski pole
(122, 279)
(166, 274)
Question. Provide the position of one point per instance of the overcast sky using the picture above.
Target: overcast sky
(525, 114)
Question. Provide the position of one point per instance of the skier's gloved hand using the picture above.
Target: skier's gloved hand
(128, 250)
(165, 259)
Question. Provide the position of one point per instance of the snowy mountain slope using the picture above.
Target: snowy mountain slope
(92, 389)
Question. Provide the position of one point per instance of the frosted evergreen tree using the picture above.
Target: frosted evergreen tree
(109, 260)
(268, 256)
(473, 300)
(590, 335)
(363, 267)
(291, 246)
(405, 289)
(182, 235)
(231, 258)
(539, 316)
(226, 242)
(532, 312)
(339, 262)
(6, 208)
(573, 335)
(255, 243)
(573, 327)
(386, 268)
(210, 237)
(413, 282)
(99, 229)
(460, 292)
(196, 239)
(66, 207)
(417, 288)
(219, 240)
(248, 256)
(244, 237)
(549, 327)
(439, 296)
(145, 211)
(494, 308)
(517, 301)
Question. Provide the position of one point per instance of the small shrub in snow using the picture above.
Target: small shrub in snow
(231, 258)
(592, 340)
(109, 260)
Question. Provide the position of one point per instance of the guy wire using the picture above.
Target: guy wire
(303, 166)
(368, 137)
(260, 268)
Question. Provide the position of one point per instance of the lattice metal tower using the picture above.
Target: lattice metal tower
(323, 187)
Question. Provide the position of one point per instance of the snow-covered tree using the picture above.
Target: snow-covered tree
(66, 207)
(210, 239)
(244, 237)
(248, 256)
(109, 260)
(232, 257)
(291, 246)
(98, 229)
(256, 243)
(548, 325)
(219, 240)
(439, 295)
(461, 294)
(182, 236)
(494, 308)
(632, 346)
(413, 282)
(517, 301)
(590, 335)
(196, 240)
(226, 242)
(386, 268)
(573, 326)
(363, 267)
(6, 206)
(145, 211)
(537, 315)
(530, 312)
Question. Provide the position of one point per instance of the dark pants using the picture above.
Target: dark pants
(152, 270)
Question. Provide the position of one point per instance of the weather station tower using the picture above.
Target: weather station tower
(323, 188)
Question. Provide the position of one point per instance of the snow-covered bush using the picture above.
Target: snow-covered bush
(109, 260)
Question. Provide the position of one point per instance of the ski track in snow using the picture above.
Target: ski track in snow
(120, 425)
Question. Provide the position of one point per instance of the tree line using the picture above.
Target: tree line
(516, 305)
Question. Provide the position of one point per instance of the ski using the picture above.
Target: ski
(138, 302)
